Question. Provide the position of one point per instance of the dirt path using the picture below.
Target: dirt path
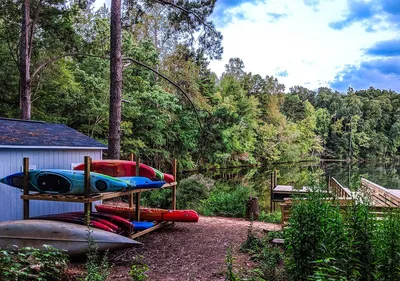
(189, 251)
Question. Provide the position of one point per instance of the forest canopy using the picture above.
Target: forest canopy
(244, 118)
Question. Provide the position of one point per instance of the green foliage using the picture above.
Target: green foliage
(269, 258)
(230, 274)
(387, 248)
(226, 201)
(97, 267)
(157, 199)
(273, 217)
(192, 190)
(138, 271)
(33, 264)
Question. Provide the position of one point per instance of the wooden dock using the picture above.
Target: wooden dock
(381, 199)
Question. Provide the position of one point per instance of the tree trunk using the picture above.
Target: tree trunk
(114, 132)
(24, 64)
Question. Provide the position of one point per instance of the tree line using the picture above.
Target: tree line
(200, 118)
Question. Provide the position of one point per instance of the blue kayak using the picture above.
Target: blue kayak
(57, 181)
(142, 225)
(141, 182)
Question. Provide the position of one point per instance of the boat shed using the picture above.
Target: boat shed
(48, 146)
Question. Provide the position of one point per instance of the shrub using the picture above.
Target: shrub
(225, 201)
(274, 217)
(97, 267)
(33, 264)
(192, 190)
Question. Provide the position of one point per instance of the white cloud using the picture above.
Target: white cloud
(302, 43)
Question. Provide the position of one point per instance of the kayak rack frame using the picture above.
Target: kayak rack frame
(88, 198)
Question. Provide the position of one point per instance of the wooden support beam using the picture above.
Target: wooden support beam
(137, 199)
(271, 191)
(88, 205)
(130, 196)
(132, 157)
(26, 187)
(174, 173)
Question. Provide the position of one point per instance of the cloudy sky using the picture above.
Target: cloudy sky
(314, 43)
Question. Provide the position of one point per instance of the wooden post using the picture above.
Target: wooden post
(174, 173)
(329, 185)
(88, 206)
(130, 199)
(26, 187)
(137, 199)
(272, 191)
(275, 178)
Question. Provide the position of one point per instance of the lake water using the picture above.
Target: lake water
(309, 174)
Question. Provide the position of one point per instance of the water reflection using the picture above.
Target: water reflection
(307, 174)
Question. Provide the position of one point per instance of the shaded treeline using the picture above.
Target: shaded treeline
(244, 118)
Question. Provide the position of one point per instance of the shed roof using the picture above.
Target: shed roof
(15, 133)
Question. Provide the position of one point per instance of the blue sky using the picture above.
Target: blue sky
(314, 43)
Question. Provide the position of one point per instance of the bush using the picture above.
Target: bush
(157, 198)
(225, 201)
(97, 267)
(274, 217)
(32, 264)
(192, 190)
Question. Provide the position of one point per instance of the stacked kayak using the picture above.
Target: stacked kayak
(124, 168)
(61, 235)
(56, 181)
(150, 214)
(65, 182)
(107, 222)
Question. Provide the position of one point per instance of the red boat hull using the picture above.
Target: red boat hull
(123, 168)
(119, 168)
(151, 214)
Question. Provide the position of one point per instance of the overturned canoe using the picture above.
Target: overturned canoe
(61, 235)
(150, 214)
(65, 181)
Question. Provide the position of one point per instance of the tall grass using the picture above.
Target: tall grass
(327, 242)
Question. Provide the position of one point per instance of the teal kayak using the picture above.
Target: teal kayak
(57, 181)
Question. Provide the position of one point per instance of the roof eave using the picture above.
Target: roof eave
(51, 147)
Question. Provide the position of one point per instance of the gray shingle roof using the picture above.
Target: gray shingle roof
(14, 132)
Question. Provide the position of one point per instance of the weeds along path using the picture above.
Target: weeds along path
(191, 251)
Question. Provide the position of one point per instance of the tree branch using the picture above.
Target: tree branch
(33, 23)
(171, 82)
(40, 67)
(169, 3)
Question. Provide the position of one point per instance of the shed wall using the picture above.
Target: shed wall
(11, 161)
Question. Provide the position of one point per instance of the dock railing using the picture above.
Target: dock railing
(338, 190)
(381, 200)
(378, 195)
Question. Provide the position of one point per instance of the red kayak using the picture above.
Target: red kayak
(123, 168)
(151, 214)
(77, 220)
(99, 220)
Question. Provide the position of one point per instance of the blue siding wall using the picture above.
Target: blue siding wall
(11, 161)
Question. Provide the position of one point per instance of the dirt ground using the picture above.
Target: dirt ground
(189, 251)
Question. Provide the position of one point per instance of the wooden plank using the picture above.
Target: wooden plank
(87, 191)
(174, 173)
(26, 188)
(157, 226)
